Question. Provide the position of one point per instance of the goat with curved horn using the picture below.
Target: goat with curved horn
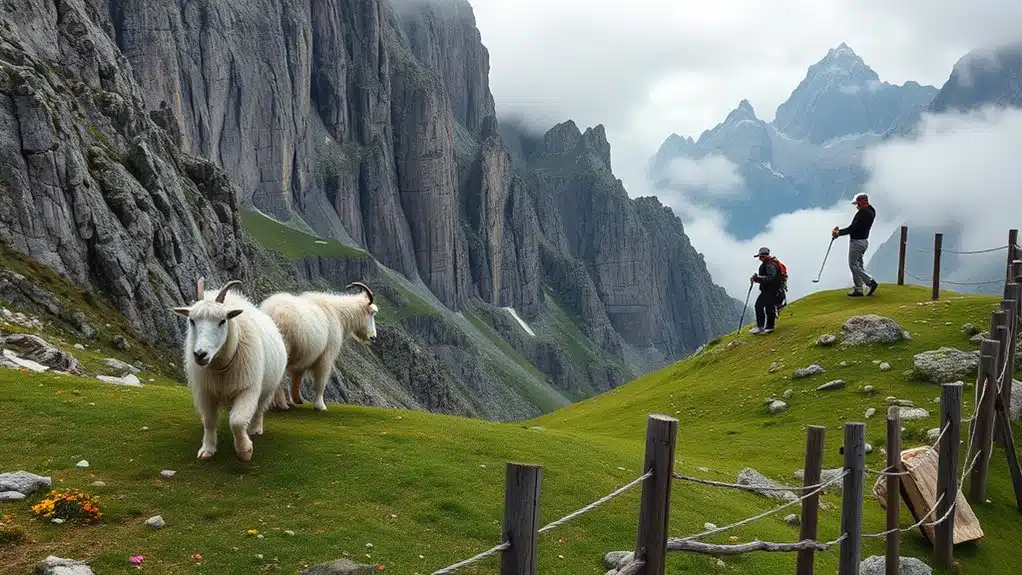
(363, 287)
(227, 287)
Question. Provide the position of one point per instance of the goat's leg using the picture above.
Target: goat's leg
(296, 387)
(279, 401)
(207, 408)
(320, 374)
(246, 404)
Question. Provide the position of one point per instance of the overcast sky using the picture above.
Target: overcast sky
(647, 68)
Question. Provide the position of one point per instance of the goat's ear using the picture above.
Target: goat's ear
(234, 313)
(181, 311)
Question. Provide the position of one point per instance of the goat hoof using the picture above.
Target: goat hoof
(320, 407)
(245, 455)
(205, 454)
(256, 431)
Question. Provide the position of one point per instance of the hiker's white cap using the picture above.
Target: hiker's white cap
(860, 195)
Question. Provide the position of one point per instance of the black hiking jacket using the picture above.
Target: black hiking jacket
(768, 276)
(861, 224)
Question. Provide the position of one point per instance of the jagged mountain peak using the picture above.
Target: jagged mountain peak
(744, 111)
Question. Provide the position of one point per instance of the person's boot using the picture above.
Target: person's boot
(756, 330)
(855, 293)
(872, 287)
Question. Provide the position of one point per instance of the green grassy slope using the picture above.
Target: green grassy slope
(426, 490)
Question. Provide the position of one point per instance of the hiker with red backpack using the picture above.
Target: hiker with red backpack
(772, 278)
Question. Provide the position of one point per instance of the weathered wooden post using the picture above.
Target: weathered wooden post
(893, 554)
(1012, 252)
(521, 518)
(982, 428)
(938, 241)
(901, 255)
(947, 473)
(851, 499)
(1007, 371)
(810, 505)
(654, 509)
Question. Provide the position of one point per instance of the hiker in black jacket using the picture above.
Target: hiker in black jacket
(858, 241)
(769, 279)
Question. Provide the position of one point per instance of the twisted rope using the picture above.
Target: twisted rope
(450, 570)
(596, 503)
(961, 253)
(885, 472)
(946, 282)
(712, 483)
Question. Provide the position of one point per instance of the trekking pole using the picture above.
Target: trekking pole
(819, 275)
(742, 320)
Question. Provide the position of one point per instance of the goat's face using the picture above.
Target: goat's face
(368, 331)
(208, 324)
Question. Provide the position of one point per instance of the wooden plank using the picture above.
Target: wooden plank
(851, 500)
(521, 518)
(810, 505)
(938, 241)
(893, 548)
(947, 474)
(654, 509)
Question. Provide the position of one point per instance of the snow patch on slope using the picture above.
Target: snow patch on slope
(522, 323)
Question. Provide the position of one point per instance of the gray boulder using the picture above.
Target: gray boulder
(777, 406)
(836, 384)
(826, 340)
(825, 475)
(812, 370)
(970, 330)
(945, 364)
(913, 413)
(39, 350)
(864, 329)
(766, 487)
(11, 496)
(24, 482)
(121, 367)
(876, 565)
(340, 567)
(613, 559)
(58, 566)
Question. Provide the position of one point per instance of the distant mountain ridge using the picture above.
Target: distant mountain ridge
(808, 156)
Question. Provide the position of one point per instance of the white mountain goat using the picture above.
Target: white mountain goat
(235, 358)
(315, 326)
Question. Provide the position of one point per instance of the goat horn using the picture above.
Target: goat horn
(200, 288)
(363, 287)
(223, 291)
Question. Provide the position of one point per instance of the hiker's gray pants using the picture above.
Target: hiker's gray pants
(856, 249)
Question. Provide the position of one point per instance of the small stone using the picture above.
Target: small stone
(933, 434)
(703, 470)
(720, 563)
(79, 347)
(884, 366)
(97, 484)
(843, 363)
(868, 389)
(900, 402)
(777, 406)
(826, 340)
(876, 565)
(870, 412)
(120, 366)
(120, 343)
(876, 362)
(11, 496)
(788, 393)
(615, 558)
(156, 522)
(969, 329)
(168, 473)
(911, 413)
(57, 520)
(709, 526)
(802, 372)
(836, 384)
(289, 533)
(59, 566)
(793, 520)
(82, 464)
(773, 367)
(869, 448)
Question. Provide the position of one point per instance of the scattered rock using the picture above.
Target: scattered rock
(788, 393)
(82, 464)
(753, 478)
(773, 367)
(57, 566)
(826, 340)
(57, 521)
(869, 448)
(793, 520)
(945, 364)
(836, 384)
(37, 349)
(899, 402)
(825, 475)
(120, 343)
(933, 434)
(979, 337)
(812, 370)
(884, 366)
(340, 567)
(13, 360)
(168, 473)
(970, 330)
(98, 484)
(121, 367)
(843, 363)
(11, 496)
(777, 406)
(733, 344)
(703, 470)
(129, 380)
(616, 559)
(709, 526)
(79, 347)
(870, 412)
(156, 522)
(868, 389)
(877, 565)
(24, 482)
(912, 413)
(289, 533)
(864, 329)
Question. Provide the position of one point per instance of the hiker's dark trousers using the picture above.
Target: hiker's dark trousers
(766, 309)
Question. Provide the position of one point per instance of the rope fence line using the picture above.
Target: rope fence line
(885, 472)
(713, 483)
(485, 554)
(963, 253)
(965, 284)
(596, 503)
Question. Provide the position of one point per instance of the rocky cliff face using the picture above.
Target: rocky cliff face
(91, 185)
(366, 123)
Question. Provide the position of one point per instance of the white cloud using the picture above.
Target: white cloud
(963, 168)
(712, 175)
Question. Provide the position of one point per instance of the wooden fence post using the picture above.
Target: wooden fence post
(851, 500)
(893, 555)
(938, 241)
(901, 255)
(1012, 253)
(981, 429)
(813, 472)
(521, 518)
(1009, 452)
(1007, 352)
(947, 473)
(654, 509)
